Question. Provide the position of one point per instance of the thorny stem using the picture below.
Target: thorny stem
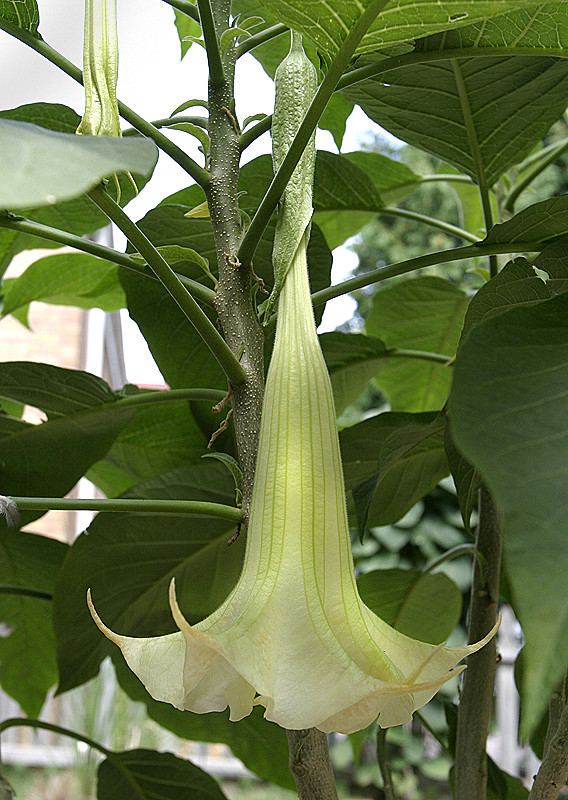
(31, 228)
(219, 348)
(476, 699)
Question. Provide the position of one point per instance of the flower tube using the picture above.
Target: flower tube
(100, 70)
(294, 635)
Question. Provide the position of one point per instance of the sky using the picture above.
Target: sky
(153, 81)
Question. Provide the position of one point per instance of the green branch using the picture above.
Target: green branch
(428, 260)
(421, 355)
(199, 174)
(216, 71)
(307, 127)
(260, 38)
(31, 228)
(423, 57)
(534, 173)
(202, 324)
(170, 122)
(26, 591)
(384, 767)
(197, 508)
(187, 8)
(249, 136)
(447, 227)
(49, 726)
(172, 396)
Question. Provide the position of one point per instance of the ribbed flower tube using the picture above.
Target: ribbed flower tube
(100, 70)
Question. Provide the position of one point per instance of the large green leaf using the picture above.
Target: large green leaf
(424, 606)
(128, 561)
(23, 14)
(509, 415)
(419, 314)
(46, 460)
(43, 167)
(390, 462)
(327, 25)
(352, 360)
(77, 216)
(519, 284)
(158, 438)
(27, 654)
(52, 389)
(75, 279)
(148, 775)
(542, 222)
(480, 114)
(260, 745)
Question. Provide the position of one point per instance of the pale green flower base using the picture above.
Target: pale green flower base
(294, 635)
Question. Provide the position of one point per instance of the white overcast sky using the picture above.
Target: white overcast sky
(152, 81)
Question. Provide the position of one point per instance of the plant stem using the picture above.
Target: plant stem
(447, 227)
(476, 699)
(553, 772)
(307, 127)
(260, 38)
(26, 591)
(384, 767)
(169, 122)
(234, 298)
(196, 508)
(199, 174)
(428, 260)
(250, 135)
(31, 228)
(539, 167)
(202, 324)
(172, 395)
(186, 7)
(216, 73)
(453, 552)
(48, 726)
(310, 765)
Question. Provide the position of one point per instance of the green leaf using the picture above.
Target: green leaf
(27, 654)
(158, 438)
(148, 775)
(335, 116)
(74, 279)
(518, 285)
(186, 27)
(390, 462)
(47, 460)
(542, 222)
(128, 561)
(42, 167)
(52, 389)
(400, 22)
(509, 414)
(24, 14)
(488, 113)
(426, 607)
(259, 744)
(352, 360)
(420, 314)
(467, 479)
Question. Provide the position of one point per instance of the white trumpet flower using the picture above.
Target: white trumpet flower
(294, 635)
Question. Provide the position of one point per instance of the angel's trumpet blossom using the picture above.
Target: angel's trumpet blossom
(100, 70)
(294, 635)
